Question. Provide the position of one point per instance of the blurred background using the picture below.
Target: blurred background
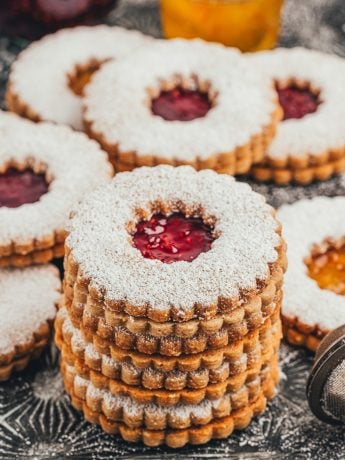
(247, 24)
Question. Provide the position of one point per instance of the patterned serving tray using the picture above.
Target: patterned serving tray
(36, 418)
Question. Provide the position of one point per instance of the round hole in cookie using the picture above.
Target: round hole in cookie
(182, 100)
(22, 185)
(326, 265)
(81, 76)
(174, 237)
(297, 98)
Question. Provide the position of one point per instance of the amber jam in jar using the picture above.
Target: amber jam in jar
(34, 18)
(250, 25)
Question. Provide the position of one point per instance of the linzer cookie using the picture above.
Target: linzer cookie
(237, 325)
(164, 398)
(177, 416)
(217, 429)
(195, 372)
(168, 311)
(28, 300)
(107, 265)
(47, 80)
(310, 141)
(155, 372)
(189, 105)
(218, 425)
(314, 286)
(45, 170)
(235, 384)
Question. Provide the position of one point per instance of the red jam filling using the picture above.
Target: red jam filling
(297, 102)
(181, 104)
(21, 187)
(173, 238)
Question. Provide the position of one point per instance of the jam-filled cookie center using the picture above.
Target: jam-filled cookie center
(327, 267)
(297, 101)
(173, 238)
(21, 187)
(181, 104)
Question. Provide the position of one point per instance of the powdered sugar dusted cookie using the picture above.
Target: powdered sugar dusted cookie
(49, 76)
(310, 141)
(92, 402)
(157, 372)
(136, 413)
(168, 243)
(182, 102)
(45, 170)
(28, 300)
(314, 287)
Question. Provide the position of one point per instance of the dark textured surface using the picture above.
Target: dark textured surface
(36, 418)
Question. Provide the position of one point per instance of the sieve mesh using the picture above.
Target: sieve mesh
(333, 398)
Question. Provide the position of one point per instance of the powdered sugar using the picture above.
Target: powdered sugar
(305, 223)
(244, 227)
(113, 402)
(79, 346)
(28, 298)
(244, 102)
(40, 74)
(74, 165)
(317, 132)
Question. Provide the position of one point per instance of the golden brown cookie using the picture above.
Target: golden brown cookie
(310, 141)
(217, 429)
(192, 111)
(154, 380)
(27, 353)
(135, 337)
(84, 356)
(171, 398)
(67, 60)
(229, 274)
(283, 176)
(182, 415)
(44, 171)
(130, 368)
(239, 356)
(314, 287)
(28, 301)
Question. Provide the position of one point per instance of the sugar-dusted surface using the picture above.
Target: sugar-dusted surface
(74, 165)
(229, 123)
(305, 223)
(130, 407)
(244, 227)
(33, 427)
(28, 298)
(40, 75)
(322, 130)
(81, 347)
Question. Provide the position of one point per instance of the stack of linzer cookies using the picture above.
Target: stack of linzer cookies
(164, 336)
(169, 320)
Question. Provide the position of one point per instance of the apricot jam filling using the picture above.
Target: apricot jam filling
(81, 77)
(327, 268)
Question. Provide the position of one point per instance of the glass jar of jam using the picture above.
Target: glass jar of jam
(250, 25)
(34, 18)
